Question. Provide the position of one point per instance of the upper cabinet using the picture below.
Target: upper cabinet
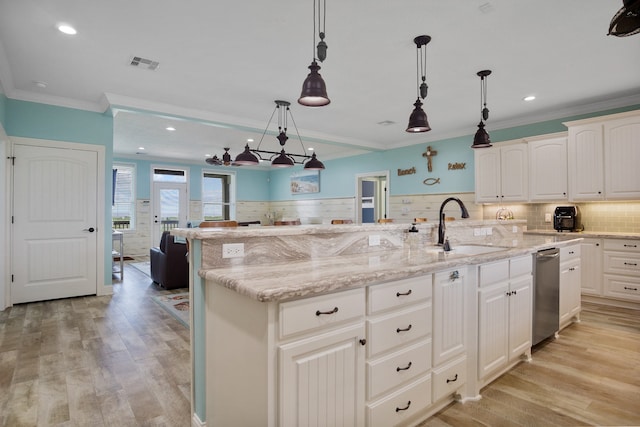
(603, 155)
(501, 173)
(547, 167)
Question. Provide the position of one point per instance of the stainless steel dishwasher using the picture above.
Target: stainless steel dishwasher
(546, 300)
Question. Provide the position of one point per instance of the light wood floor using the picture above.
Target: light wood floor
(123, 361)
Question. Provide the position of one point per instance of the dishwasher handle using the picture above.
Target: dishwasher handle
(552, 255)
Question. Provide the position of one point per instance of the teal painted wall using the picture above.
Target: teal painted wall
(251, 184)
(3, 109)
(33, 120)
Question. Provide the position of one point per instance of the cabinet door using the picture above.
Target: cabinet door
(621, 154)
(322, 379)
(569, 291)
(520, 316)
(548, 169)
(493, 326)
(487, 175)
(449, 332)
(514, 173)
(591, 256)
(586, 166)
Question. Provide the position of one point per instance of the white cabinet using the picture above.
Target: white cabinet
(501, 174)
(591, 264)
(547, 168)
(449, 315)
(602, 158)
(622, 269)
(505, 314)
(570, 284)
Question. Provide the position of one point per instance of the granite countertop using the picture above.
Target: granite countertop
(594, 234)
(283, 281)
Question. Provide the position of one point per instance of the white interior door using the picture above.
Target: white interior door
(169, 207)
(54, 223)
(380, 200)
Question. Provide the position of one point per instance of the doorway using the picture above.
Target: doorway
(56, 221)
(169, 201)
(372, 197)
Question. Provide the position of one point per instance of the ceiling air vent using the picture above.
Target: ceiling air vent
(137, 61)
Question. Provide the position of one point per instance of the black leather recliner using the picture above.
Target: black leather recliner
(169, 266)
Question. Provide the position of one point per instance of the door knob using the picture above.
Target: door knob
(90, 229)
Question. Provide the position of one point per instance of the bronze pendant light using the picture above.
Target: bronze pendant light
(418, 121)
(481, 138)
(314, 89)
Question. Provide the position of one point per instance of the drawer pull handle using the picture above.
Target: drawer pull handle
(633, 264)
(630, 246)
(630, 289)
(405, 408)
(453, 380)
(398, 369)
(403, 294)
(408, 328)
(335, 310)
(571, 252)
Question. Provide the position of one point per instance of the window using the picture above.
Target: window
(217, 197)
(123, 209)
(169, 175)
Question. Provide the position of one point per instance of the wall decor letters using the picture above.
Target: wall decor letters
(409, 171)
(457, 166)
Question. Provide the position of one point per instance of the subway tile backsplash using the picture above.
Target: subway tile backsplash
(596, 216)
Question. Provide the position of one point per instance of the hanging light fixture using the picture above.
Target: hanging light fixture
(481, 139)
(418, 121)
(314, 89)
(279, 159)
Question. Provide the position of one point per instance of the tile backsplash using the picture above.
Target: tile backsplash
(596, 216)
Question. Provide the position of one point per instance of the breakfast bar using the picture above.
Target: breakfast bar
(365, 324)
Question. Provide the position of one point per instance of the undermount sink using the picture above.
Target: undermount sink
(468, 250)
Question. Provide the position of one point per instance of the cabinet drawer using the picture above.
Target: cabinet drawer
(494, 272)
(449, 378)
(622, 287)
(399, 407)
(622, 245)
(521, 266)
(399, 293)
(569, 252)
(322, 311)
(397, 329)
(389, 372)
(622, 263)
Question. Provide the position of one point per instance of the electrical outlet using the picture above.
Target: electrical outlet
(374, 240)
(547, 217)
(233, 250)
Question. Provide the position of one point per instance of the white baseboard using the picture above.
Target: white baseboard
(195, 422)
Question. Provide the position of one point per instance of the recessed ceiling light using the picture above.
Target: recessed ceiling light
(140, 148)
(40, 84)
(250, 140)
(529, 98)
(170, 128)
(67, 29)
(207, 155)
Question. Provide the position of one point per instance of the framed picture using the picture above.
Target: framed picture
(305, 182)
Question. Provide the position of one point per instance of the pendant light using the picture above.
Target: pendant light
(418, 121)
(314, 89)
(481, 138)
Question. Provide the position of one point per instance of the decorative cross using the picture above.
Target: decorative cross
(429, 154)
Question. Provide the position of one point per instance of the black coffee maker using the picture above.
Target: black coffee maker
(567, 218)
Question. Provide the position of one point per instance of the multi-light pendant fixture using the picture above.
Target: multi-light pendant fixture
(418, 121)
(481, 138)
(314, 89)
(279, 159)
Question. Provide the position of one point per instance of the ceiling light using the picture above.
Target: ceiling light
(40, 84)
(314, 89)
(67, 29)
(140, 148)
(529, 98)
(170, 128)
(481, 138)
(418, 121)
(249, 139)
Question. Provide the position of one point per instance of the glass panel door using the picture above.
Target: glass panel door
(169, 208)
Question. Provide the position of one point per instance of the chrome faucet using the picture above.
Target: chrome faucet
(441, 226)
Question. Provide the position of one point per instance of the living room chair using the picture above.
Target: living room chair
(169, 264)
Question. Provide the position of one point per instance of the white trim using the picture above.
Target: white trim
(358, 200)
(232, 190)
(102, 288)
(195, 422)
(5, 214)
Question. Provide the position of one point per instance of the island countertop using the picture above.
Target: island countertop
(315, 276)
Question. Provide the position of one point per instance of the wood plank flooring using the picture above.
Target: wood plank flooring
(121, 360)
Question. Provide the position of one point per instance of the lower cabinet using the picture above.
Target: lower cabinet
(570, 285)
(591, 265)
(504, 314)
(622, 269)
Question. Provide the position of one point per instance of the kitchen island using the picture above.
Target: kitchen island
(363, 324)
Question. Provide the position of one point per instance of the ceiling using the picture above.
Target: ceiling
(222, 64)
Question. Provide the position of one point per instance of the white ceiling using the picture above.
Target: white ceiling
(223, 63)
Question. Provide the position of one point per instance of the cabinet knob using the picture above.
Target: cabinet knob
(454, 275)
(363, 341)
